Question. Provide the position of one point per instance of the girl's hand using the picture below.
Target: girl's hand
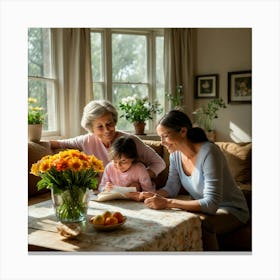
(156, 202)
(108, 187)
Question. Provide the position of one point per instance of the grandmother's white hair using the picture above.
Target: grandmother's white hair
(96, 109)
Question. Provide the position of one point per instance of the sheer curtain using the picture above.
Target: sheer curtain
(178, 63)
(74, 77)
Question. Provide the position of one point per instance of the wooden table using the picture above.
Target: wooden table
(145, 229)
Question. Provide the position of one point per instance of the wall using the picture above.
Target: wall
(219, 51)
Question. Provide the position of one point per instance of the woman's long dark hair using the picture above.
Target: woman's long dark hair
(176, 120)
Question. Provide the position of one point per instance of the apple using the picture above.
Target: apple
(111, 221)
(106, 214)
(119, 216)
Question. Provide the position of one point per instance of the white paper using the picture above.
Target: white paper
(117, 192)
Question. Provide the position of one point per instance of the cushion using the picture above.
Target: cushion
(162, 151)
(156, 145)
(239, 157)
(35, 152)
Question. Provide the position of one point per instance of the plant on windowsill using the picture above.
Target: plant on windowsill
(204, 116)
(36, 118)
(138, 110)
(176, 100)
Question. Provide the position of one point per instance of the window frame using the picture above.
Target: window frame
(151, 35)
(52, 80)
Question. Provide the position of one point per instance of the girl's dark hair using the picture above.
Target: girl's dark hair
(125, 146)
(176, 120)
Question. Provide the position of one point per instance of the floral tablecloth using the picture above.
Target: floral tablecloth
(145, 229)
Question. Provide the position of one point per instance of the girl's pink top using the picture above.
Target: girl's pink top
(92, 145)
(136, 173)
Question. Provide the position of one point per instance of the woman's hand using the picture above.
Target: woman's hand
(156, 202)
(139, 196)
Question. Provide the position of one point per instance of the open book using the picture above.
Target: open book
(116, 193)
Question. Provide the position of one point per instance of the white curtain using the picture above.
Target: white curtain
(74, 76)
(178, 63)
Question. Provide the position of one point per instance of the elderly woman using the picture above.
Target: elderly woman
(99, 119)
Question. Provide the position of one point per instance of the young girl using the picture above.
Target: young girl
(124, 169)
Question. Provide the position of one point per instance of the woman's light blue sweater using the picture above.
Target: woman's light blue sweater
(211, 182)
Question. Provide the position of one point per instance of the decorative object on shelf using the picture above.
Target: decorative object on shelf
(36, 118)
(204, 116)
(240, 87)
(138, 110)
(177, 99)
(206, 86)
(69, 174)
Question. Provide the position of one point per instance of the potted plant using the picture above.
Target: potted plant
(36, 118)
(176, 100)
(204, 116)
(138, 110)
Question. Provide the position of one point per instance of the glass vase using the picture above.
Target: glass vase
(71, 205)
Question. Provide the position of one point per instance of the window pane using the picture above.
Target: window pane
(160, 91)
(98, 91)
(96, 56)
(121, 91)
(39, 52)
(129, 58)
(43, 91)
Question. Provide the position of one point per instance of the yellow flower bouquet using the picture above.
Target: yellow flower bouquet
(69, 174)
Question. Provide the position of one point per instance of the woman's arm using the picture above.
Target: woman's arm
(54, 144)
(159, 202)
(152, 160)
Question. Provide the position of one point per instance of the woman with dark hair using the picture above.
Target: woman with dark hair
(200, 167)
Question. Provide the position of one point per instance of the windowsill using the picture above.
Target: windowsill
(53, 137)
(144, 137)
(149, 137)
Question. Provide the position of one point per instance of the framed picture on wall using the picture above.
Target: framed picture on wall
(240, 87)
(206, 86)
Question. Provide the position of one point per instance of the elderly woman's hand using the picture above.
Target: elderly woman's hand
(156, 202)
(139, 196)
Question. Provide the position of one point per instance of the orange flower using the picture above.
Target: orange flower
(44, 166)
(34, 169)
(51, 168)
(61, 164)
(75, 164)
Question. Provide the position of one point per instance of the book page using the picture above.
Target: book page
(117, 192)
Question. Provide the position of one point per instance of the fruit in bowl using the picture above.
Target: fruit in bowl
(108, 220)
(119, 216)
(98, 220)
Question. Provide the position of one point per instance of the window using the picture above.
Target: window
(127, 62)
(41, 82)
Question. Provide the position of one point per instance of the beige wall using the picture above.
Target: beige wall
(219, 51)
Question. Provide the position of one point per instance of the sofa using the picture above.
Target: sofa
(238, 155)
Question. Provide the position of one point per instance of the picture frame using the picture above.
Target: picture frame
(206, 86)
(240, 87)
